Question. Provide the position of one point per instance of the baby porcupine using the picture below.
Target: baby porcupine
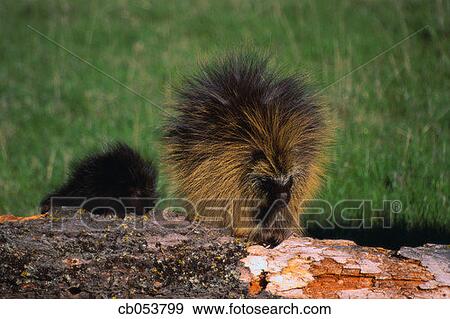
(119, 171)
(245, 132)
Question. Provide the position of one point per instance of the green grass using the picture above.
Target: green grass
(394, 121)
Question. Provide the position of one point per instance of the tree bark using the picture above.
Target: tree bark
(309, 268)
(80, 256)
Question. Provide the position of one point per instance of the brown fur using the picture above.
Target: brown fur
(244, 132)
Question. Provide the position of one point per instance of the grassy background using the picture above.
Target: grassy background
(394, 135)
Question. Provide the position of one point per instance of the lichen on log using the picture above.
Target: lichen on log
(84, 257)
(81, 256)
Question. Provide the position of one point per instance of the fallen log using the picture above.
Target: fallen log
(80, 256)
(308, 268)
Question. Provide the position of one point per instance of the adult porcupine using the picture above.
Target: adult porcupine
(118, 172)
(245, 132)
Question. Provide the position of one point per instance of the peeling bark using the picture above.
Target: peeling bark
(82, 257)
(308, 268)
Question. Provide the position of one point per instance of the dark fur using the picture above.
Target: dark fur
(223, 90)
(242, 130)
(117, 172)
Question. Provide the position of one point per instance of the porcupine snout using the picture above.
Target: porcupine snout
(277, 189)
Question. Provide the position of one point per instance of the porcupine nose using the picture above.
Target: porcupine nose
(284, 196)
(279, 189)
(283, 190)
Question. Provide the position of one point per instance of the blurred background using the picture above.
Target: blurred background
(393, 114)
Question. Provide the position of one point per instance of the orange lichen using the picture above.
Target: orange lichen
(12, 218)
